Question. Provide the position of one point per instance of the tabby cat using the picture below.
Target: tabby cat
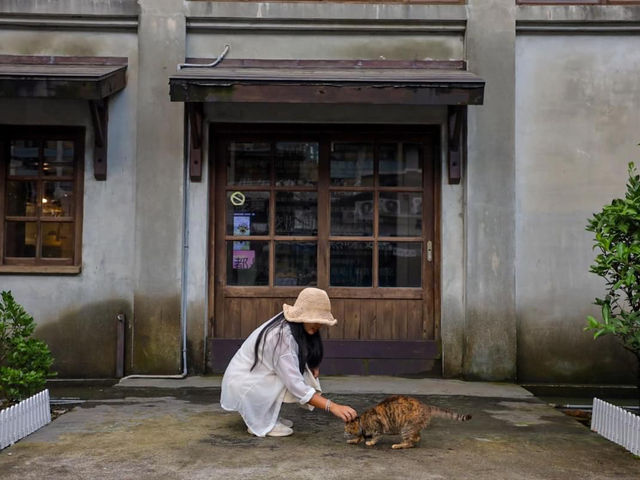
(395, 415)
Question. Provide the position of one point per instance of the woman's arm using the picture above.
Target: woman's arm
(344, 412)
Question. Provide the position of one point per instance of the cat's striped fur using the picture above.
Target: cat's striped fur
(399, 414)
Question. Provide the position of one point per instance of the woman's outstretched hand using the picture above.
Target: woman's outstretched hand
(344, 412)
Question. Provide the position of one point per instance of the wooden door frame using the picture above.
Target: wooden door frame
(220, 132)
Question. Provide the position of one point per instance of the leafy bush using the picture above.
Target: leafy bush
(617, 237)
(24, 361)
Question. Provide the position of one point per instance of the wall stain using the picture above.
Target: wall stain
(156, 348)
(83, 340)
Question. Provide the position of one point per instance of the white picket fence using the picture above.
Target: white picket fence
(26, 417)
(616, 424)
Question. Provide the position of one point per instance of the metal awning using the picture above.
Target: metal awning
(93, 79)
(86, 78)
(329, 82)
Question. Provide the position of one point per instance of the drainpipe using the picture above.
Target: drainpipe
(185, 261)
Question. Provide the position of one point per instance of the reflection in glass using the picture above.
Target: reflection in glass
(400, 214)
(352, 213)
(296, 213)
(57, 239)
(400, 165)
(296, 163)
(24, 158)
(247, 263)
(351, 164)
(21, 199)
(351, 264)
(58, 199)
(248, 163)
(295, 263)
(21, 239)
(399, 264)
(250, 213)
(58, 158)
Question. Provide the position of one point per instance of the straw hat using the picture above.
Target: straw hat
(312, 306)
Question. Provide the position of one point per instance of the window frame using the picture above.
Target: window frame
(41, 133)
(324, 134)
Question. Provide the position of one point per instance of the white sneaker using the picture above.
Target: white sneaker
(280, 430)
(285, 422)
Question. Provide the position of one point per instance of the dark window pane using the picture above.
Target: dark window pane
(296, 163)
(249, 164)
(400, 214)
(351, 264)
(58, 158)
(400, 264)
(248, 263)
(400, 165)
(247, 213)
(57, 239)
(296, 263)
(24, 157)
(21, 239)
(352, 213)
(296, 213)
(21, 198)
(351, 164)
(58, 199)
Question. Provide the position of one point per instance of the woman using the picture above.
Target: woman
(280, 361)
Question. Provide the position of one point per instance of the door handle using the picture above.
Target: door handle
(429, 251)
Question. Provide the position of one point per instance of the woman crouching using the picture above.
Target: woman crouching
(279, 362)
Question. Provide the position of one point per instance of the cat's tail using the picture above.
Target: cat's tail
(449, 414)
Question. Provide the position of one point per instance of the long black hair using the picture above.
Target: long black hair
(310, 350)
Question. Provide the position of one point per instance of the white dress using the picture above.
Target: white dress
(258, 394)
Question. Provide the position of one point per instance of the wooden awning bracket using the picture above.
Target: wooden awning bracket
(457, 139)
(100, 118)
(195, 114)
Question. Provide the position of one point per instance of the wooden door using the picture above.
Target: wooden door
(350, 210)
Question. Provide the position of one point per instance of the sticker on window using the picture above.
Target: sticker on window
(243, 259)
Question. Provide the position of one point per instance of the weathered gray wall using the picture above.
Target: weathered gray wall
(159, 191)
(76, 315)
(577, 128)
(548, 147)
(490, 324)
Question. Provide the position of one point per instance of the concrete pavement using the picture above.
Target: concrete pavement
(147, 428)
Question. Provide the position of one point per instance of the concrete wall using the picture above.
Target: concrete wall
(548, 148)
(488, 350)
(159, 191)
(76, 315)
(576, 129)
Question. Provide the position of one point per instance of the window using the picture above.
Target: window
(335, 210)
(41, 198)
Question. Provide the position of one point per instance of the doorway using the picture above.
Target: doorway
(353, 210)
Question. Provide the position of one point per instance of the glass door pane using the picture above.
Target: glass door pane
(400, 264)
(400, 214)
(351, 264)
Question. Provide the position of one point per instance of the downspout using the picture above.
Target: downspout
(185, 261)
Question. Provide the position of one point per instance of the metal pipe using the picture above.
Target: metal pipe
(206, 65)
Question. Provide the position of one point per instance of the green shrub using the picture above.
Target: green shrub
(617, 238)
(25, 362)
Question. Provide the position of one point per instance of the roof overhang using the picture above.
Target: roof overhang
(86, 78)
(93, 79)
(329, 82)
